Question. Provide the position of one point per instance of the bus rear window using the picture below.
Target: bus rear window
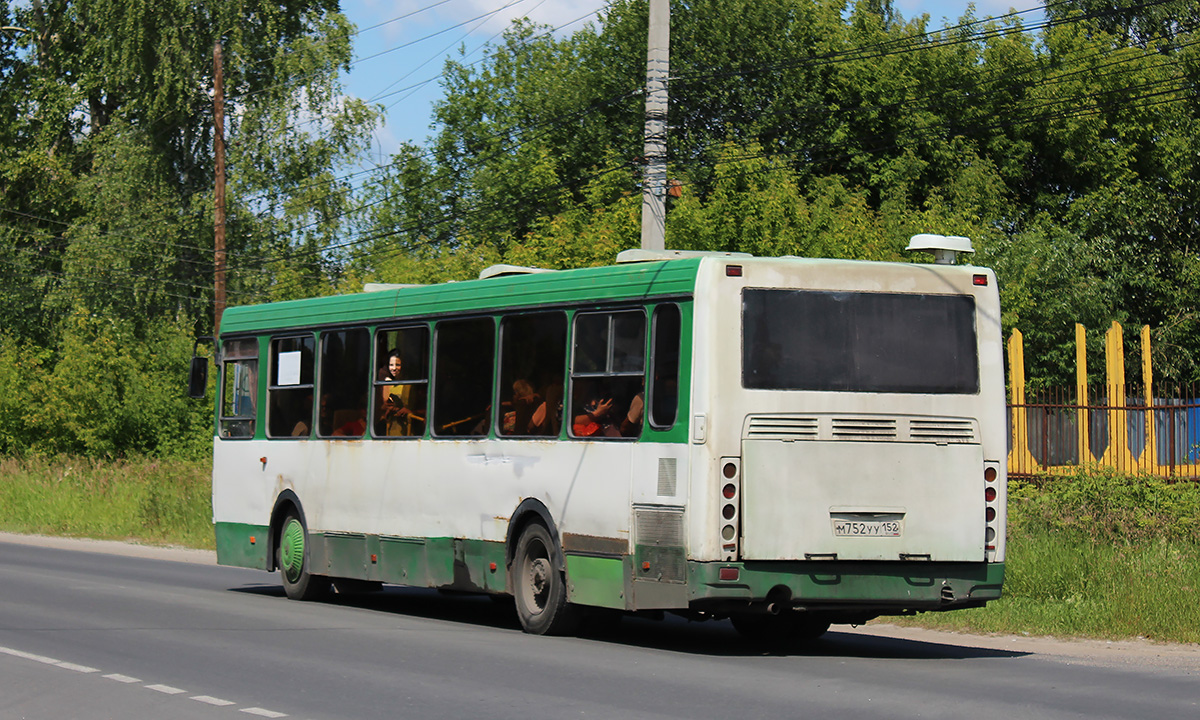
(859, 342)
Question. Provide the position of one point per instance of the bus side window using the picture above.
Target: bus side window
(401, 381)
(664, 366)
(533, 350)
(608, 374)
(290, 385)
(345, 369)
(463, 365)
(239, 388)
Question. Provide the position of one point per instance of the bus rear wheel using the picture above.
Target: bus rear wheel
(539, 587)
(292, 558)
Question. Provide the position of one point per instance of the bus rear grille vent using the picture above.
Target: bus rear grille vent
(663, 528)
(666, 476)
(867, 428)
(783, 428)
(945, 430)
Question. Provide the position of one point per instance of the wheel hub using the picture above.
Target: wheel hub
(291, 550)
(539, 582)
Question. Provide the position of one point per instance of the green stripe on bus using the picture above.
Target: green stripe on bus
(596, 581)
(460, 564)
(243, 545)
(924, 585)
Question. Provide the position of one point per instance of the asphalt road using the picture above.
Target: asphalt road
(86, 633)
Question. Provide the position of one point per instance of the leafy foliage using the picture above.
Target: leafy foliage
(106, 225)
(1067, 155)
(800, 127)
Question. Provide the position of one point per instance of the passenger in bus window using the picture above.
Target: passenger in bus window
(302, 428)
(394, 401)
(518, 416)
(547, 417)
(596, 415)
(353, 420)
(631, 424)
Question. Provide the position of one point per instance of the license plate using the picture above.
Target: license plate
(853, 527)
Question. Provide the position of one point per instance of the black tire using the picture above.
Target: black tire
(767, 629)
(539, 586)
(292, 557)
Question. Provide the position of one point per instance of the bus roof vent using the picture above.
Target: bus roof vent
(507, 270)
(380, 287)
(639, 255)
(945, 248)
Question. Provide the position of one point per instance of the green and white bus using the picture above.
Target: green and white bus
(784, 442)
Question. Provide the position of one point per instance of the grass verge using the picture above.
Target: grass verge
(158, 502)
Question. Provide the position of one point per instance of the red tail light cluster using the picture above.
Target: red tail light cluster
(730, 502)
(990, 493)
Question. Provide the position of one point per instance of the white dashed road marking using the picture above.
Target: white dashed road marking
(29, 656)
(210, 700)
(165, 689)
(264, 713)
(77, 668)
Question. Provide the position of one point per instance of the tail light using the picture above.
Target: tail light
(729, 503)
(991, 512)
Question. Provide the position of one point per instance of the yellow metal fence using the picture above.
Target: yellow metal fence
(1101, 425)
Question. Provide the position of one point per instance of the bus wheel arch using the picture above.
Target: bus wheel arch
(291, 552)
(287, 501)
(531, 510)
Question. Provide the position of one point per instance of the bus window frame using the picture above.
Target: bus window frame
(319, 382)
(272, 374)
(652, 390)
(572, 375)
(498, 386)
(230, 356)
(426, 381)
(432, 401)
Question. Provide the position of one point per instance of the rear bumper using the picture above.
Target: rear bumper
(870, 588)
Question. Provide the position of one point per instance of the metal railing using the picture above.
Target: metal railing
(1051, 433)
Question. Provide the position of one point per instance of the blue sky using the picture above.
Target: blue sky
(399, 60)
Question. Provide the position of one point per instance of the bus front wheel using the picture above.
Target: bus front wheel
(292, 557)
(540, 588)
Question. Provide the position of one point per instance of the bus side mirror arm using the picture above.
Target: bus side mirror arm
(198, 374)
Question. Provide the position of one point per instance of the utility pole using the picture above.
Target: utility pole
(219, 190)
(654, 183)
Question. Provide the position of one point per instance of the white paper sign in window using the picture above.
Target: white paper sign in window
(288, 367)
